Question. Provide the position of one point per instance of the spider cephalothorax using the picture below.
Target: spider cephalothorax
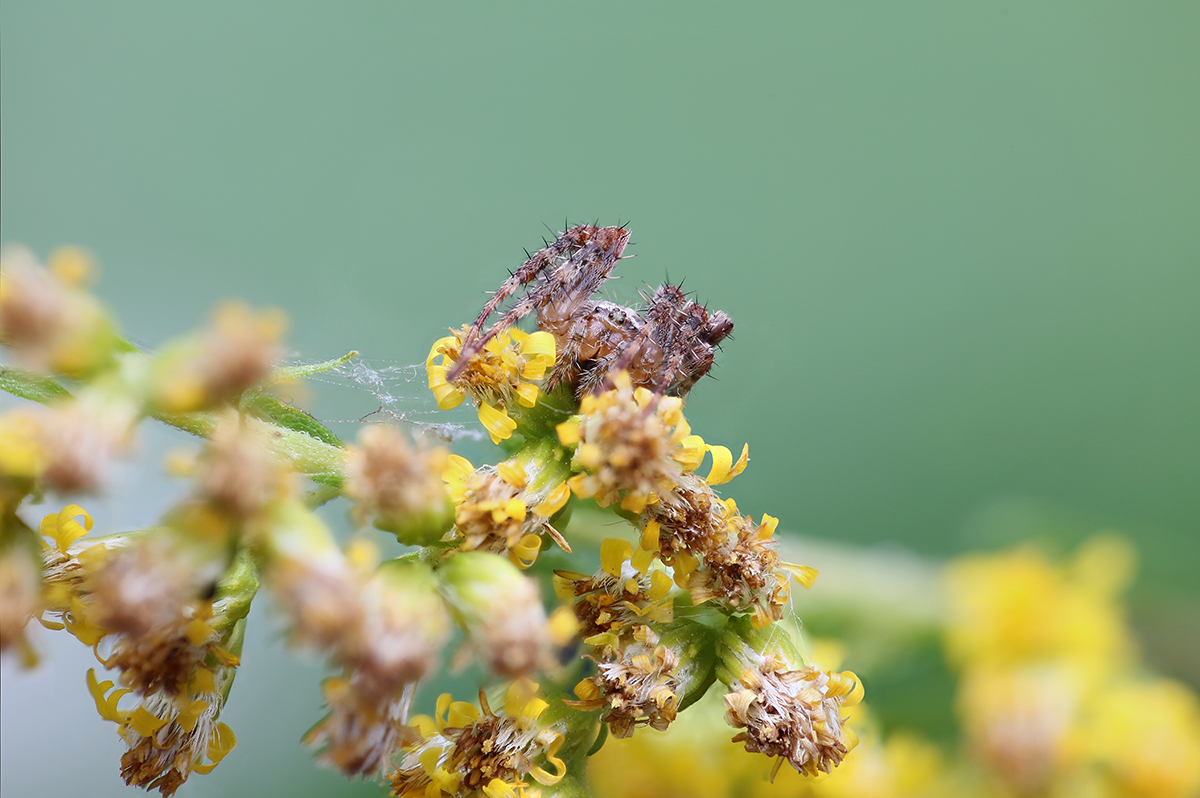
(666, 348)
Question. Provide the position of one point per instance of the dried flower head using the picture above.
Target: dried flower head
(625, 594)
(237, 352)
(633, 446)
(466, 752)
(499, 608)
(168, 738)
(642, 687)
(398, 486)
(498, 510)
(148, 598)
(360, 736)
(785, 708)
(238, 473)
(46, 320)
(792, 714)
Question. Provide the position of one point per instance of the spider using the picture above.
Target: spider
(666, 349)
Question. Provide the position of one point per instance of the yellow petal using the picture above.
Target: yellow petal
(219, 746)
(563, 626)
(497, 788)
(613, 554)
(527, 394)
(514, 508)
(589, 455)
(526, 552)
(538, 350)
(651, 540)
(144, 722)
(203, 682)
(457, 469)
(568, 433)
(496, 422)
(443, 705)
(641, 560)
(660, 586)
(804, 574)
(553, 502)
(106, 705)
(691, 452)
(461, 714)
(62, 527)
(512, 472)
(634, 502)
(545, 777)
(587, 690)
(581, 486)
(448, 396)
(742, 461)
(722, 460)
(449, 342)
(670, 410)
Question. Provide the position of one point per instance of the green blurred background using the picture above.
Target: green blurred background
(960, 242)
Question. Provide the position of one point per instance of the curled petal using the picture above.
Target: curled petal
(496, 422)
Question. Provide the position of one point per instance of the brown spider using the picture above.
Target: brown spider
(666, 349)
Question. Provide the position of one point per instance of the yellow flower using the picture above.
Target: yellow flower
(21, 456)
(1016, 607)
(1146, 735)
(1019, 722)
(506, 370)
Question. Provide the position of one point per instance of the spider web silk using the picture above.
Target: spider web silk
(398, 394)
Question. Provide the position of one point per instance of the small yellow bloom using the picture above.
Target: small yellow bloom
(504, 374)
(63, 529)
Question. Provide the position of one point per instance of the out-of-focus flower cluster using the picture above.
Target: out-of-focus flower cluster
(1051, 700)
(694, 593)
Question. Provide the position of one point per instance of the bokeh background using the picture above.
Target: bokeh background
(960, 242)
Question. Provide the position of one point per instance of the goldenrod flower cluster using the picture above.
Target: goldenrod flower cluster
(633, 451)
(1051, 701)
(1051, 696)
(694, 592)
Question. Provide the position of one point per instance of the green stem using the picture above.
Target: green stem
(34, 387)
(298, 438)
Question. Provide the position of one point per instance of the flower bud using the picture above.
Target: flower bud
(49, 323)
(20, 585)
(236, 352)
(399, 487)
(499, 608)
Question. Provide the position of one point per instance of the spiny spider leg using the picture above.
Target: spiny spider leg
(591, 254)
(539, 261)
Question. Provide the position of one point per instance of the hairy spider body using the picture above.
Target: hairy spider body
(666, 349)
